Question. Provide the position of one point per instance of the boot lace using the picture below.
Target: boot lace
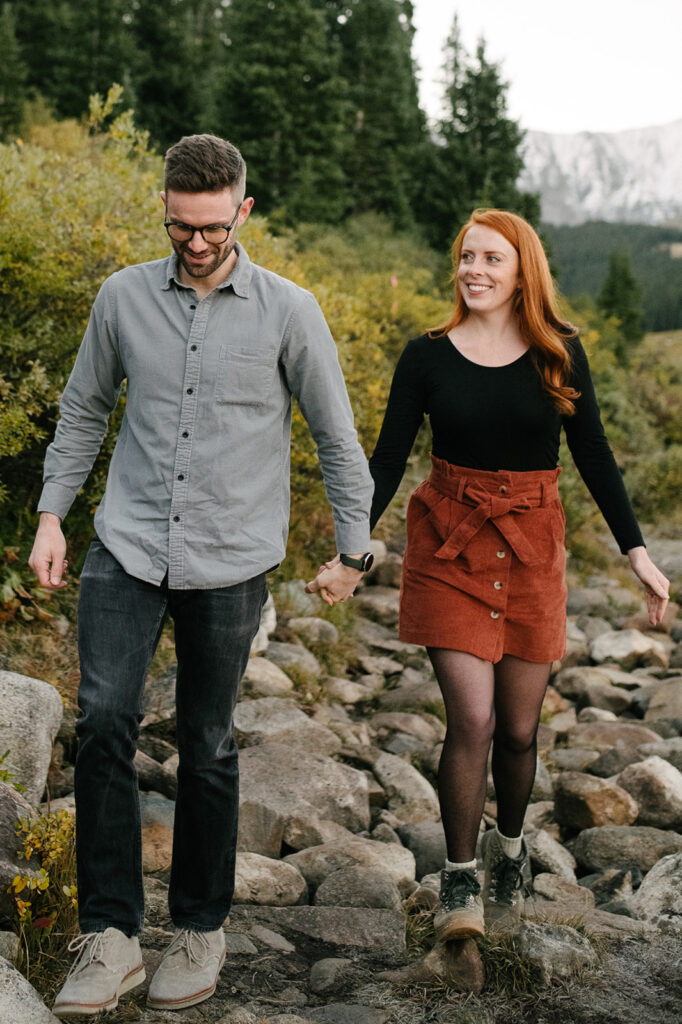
(195, 945)
(90, 950)
(506, 879)
(458, 889)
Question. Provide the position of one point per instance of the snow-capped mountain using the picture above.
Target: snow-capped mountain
(633, 176)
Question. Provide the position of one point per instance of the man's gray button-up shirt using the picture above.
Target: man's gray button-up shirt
(198, 485)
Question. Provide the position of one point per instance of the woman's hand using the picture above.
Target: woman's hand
(655, 584)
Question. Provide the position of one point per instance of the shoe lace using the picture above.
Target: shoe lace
(458, 888)
(90, 950)
(195, 944)
(506, 879)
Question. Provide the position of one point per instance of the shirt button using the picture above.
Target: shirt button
(497, 585)
(193, 348)
(181, 476)
(185, 433)
(494, 615)
(176, 519)
(501, 554)
(503, 489)
(192, 306)
(190, 391)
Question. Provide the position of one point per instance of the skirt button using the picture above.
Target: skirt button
(501, 554)
(497, 585)
(494, 615)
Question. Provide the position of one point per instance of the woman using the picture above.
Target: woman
(483, 576)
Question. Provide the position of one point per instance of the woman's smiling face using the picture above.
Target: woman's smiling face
(488, 272)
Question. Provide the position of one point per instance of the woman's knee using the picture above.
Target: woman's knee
(516, 739)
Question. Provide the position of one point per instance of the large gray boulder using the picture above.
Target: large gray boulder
(586, 801)
(659, 897)
(547, 854)
(556, 950)
(30, 716)
(281, 783)
(666, 701)
(265, 679)
(268, 882)
(358, 886)
(628, 648)
(622, 846)
(318, 862)
(656, 785)
(411, 797)
(358, 927)
(19, 1002)
(604, 735)
(278, 720)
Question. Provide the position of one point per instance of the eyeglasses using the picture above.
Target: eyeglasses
(214, 234)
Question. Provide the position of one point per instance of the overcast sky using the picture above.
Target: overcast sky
(583, 65)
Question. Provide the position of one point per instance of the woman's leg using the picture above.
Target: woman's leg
(467, 685)
(519, 690)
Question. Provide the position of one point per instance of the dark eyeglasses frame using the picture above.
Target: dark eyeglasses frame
(168, 224)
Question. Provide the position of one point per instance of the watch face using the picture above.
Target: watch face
(367, 561)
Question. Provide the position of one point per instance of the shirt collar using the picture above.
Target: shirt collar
(239, 280)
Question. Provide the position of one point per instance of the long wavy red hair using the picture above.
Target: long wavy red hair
(535, 304)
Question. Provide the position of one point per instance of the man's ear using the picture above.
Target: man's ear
(246, 207)
(163, 197)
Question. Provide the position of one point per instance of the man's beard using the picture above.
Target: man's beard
(203, 269)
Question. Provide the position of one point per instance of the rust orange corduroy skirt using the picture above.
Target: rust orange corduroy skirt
(484, 568)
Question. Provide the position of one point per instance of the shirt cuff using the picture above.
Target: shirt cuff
(352, 538)
(56, 498)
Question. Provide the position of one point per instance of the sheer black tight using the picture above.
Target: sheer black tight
(484, 704)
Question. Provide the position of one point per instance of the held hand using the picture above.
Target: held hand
(334, 582)
(656, 585)
(49, 548)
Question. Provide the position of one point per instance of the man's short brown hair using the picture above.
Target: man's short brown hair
(204, 163)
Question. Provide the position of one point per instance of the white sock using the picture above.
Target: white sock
(468, 865)
(511, 847)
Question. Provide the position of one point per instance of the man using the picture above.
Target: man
(195, 513)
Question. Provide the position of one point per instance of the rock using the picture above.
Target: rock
(156, 810)
(539, 814)
(585, 601)
(346, 690)
(412, 690)
(573, 759)
(428, 729)
(616, 846)
(358, 927)
(606, 697)
(592, 626)
(268, 625)
(628, 648)
(426, 840)
(265, 679)
(280, 783)
(294, 658)
(9, 946)
(270, 938)
(19, 1003)
(300, 833)
(293, 598)
(410, 795)
(375, 635)
(666, 701)
(548, 855)
(543, 788)
(670, 750)
(589, 714)
(152, 775)
(157, 848)
(659, 897)
(458, 964)
(572, 682)
(237, 944)
(32, 714)
(380, 666)
(557, 951)
(383, 833)
(268, 882)
(358, 887)
(389, 572)
(155, 747)
(240, 1016)
(278, 720)
(612, 762)
(657, 787)
(380, 604)
(612, 884)
(328, 974)
(603, 735)
(318, 862)
(314, 630)
(563, 890)
(12, 807)
(553, 702)
(585, 801)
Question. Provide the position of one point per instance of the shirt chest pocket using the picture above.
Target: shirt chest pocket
(244, 377)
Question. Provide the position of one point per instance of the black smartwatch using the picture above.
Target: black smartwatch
(364, 563)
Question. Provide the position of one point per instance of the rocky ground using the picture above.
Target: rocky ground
(340, 843)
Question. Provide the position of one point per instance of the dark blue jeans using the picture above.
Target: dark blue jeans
(120, 619)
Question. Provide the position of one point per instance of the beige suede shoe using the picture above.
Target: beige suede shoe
(461, 910)
(188, 972)
(108, 964)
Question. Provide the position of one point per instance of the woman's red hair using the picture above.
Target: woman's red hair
(535, 304)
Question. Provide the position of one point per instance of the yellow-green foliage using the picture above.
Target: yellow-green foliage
(46, 901)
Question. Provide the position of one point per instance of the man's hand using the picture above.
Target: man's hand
(47, 558)
(335, 582)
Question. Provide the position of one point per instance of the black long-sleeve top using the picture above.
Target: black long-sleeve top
(496, 418)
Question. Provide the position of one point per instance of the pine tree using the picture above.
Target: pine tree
(620, 297)
(12, 76)
(476, 159)
(386, 127)
(283, 101)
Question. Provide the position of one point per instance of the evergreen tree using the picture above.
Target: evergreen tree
(283, 101)
(475, 160)
(12, 76)
(386, 127)
(621, 297)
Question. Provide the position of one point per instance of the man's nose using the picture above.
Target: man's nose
(196, 242)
